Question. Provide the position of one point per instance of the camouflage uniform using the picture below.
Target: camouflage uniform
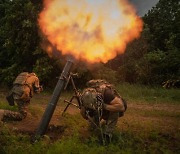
(21, 94)
(109, 115)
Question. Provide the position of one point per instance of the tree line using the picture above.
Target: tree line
(152, 59)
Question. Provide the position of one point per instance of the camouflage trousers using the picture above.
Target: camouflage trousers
(107, 123)
(16, 116)
(110, 122)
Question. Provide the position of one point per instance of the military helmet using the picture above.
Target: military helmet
(91, 99)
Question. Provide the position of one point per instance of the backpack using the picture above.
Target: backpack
(101, 85)
(93, 96)
(96, 83)
(21, 78)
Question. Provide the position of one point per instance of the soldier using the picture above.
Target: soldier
(102, 105)
(23, 89)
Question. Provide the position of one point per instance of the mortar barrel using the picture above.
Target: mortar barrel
(53, 101)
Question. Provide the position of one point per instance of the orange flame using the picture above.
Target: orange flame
(92, 30)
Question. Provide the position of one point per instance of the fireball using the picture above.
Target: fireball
(90, 30)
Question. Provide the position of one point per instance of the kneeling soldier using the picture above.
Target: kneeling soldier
(23, 89)
(101, 102)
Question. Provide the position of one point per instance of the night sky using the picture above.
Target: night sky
(142, 6)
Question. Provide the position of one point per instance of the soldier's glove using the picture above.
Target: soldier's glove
(40, 88)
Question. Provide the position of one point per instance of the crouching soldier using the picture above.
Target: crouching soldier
(102, 106)
(23, 89)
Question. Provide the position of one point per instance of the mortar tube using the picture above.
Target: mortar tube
(54, 99)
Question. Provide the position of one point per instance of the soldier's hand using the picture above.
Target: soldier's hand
(40, 88)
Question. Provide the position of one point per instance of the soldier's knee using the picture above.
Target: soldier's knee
(23, 114)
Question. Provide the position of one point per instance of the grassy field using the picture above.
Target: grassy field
(150, 125)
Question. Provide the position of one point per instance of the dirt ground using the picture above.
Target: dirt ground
(139, 117)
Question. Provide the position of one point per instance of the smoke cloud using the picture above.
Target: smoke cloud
(142, 6)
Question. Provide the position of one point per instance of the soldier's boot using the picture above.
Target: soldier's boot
(12, 116)
(107, 138)
(1, 114)
(10, 99)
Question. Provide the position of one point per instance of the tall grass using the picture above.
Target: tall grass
(124, 142)
(142, 93)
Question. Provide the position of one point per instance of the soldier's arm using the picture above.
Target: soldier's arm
(36, 83)
(116, 105)
(37, 86)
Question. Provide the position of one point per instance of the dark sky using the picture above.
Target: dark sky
(142, 6)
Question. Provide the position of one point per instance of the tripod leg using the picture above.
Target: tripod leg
(67, 105)
(65, 109)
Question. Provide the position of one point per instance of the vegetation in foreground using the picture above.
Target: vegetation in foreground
(124, 142)
(149, 126)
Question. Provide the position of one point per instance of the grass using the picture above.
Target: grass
(154, 113)
(123, 142)
(5, 105)
(147, 94)
(150, 125)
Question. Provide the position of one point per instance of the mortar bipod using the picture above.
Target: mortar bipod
(76, 95)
